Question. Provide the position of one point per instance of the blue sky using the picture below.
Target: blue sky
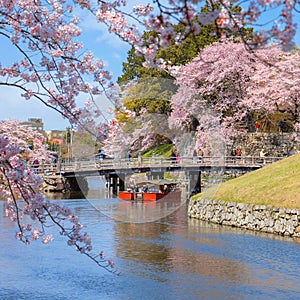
(96, 38)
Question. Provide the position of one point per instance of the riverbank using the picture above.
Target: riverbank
(264, 200)
(276, 220)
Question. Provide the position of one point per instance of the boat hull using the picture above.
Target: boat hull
(124, 195)
(145, 196)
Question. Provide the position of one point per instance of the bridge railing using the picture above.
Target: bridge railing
(190, 161)
(155, 162)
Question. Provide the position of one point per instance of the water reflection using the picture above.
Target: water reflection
(141, 243)
(137, 211)
(65, 195)
(168, 248)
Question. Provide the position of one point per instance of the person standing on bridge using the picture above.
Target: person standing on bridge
(200, 155)
(173, 156)
(36, 165)
(233, 154)
(140, 159)
(195, 155)
(262, 155)
(177, 157)
(238, 154)
(128, 157)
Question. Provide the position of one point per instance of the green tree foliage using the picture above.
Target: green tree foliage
(133, 68)
(178, 54)
(151, 93)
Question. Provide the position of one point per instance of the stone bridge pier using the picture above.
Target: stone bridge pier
(194, 181)
(57, 183)
(118, 182)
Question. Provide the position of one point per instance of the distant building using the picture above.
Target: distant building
(35, 124)
(55, 136)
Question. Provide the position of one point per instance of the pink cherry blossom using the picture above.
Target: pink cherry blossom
(227, 82)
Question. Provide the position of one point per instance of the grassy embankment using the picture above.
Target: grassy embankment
(277, 185)
(161, 150)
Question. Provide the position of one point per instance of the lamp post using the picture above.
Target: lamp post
(71, 143)
(68, 139)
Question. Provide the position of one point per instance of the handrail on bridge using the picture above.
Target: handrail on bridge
(106, 164)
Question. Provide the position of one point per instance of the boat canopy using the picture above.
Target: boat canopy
(157, 182)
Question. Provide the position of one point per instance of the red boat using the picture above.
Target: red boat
(126, 195)
(152, 190)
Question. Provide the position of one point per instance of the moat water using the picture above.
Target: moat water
(172, 257)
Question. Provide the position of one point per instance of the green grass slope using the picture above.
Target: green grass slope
(161, 150)
(277, 184)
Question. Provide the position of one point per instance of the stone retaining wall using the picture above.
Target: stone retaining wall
(282, 221)
(275, 144)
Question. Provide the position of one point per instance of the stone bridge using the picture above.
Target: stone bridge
(73, 175)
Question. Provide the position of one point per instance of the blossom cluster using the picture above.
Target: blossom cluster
(227, 83)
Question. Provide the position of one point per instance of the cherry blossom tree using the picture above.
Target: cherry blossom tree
(232, 83)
